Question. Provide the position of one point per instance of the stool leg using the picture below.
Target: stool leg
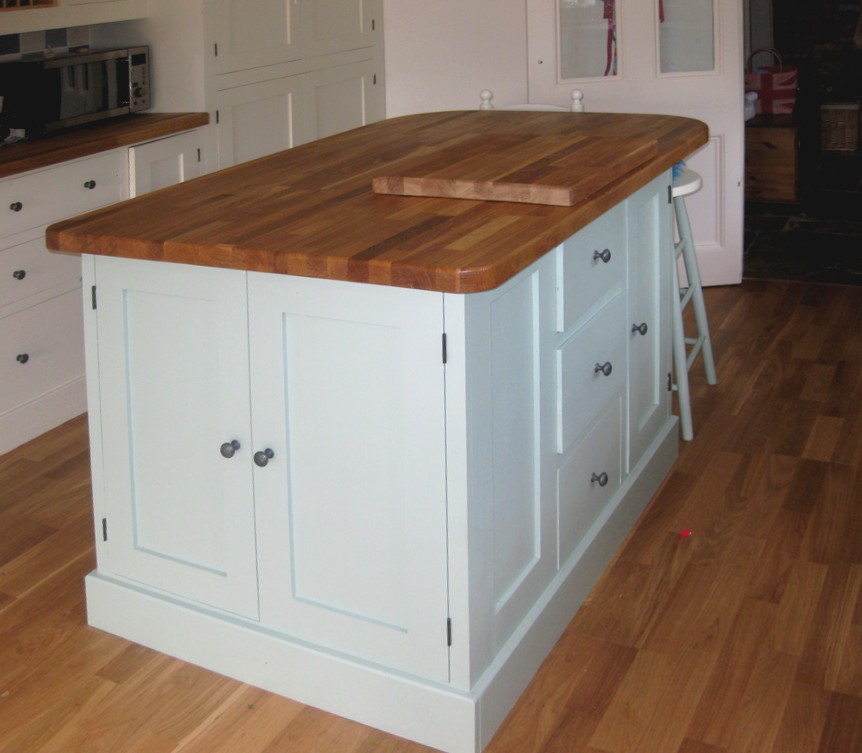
(680, 366)
(693, 274)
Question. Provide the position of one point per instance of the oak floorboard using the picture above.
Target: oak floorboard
(743, 637)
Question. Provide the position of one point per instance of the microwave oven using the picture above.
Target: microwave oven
(43, 94)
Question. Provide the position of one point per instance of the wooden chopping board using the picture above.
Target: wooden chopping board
(555, 169)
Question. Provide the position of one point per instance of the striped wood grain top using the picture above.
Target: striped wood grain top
(311, 210)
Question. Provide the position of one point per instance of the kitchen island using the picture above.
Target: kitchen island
(372, 451)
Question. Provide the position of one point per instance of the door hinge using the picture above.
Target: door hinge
(670, 194)
(215, 48)
(104, 529)
(373, 24)
(93, 296)
(217, 117)
(374, 80)
(448, 631)
(199, 155)
(444, 348)
(669, 382)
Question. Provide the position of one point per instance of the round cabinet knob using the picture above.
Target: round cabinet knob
(605, 255)
(641, 328)
(262, 457)
(19, 274)
(16, 206)
(228, 449)
(91, 184)
(22, 357)
(600, 478)
(606, 368)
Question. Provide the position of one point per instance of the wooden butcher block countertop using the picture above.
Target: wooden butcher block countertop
(85, 141)
(313, 210)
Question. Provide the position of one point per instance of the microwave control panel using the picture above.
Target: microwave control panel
(139, 79)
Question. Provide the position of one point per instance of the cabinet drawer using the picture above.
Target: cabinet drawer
(588, 478)
(49, 195)
(41, 348)
(29, 268)
(582, 387)
(584, 278)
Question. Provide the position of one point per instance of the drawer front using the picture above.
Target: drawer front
(591, 267)
(29, 268)
(588, 478)
(41, 348)
(49, 195)
(583, 388)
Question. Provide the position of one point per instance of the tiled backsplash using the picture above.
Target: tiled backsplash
(16, 45)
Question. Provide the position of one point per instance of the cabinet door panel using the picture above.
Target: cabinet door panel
(164, 162)
(650, 256)
(180, 516)
(338, 25)
(257, 120)
(353, 556)
(249, 36)
(338, 99)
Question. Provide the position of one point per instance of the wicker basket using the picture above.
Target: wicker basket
(839, 126)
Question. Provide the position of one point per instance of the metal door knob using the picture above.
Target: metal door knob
(228, 449)
(16, 206)
(91, 184)
(262, 457)
(606, 368)
(19, 274)
(22, 357)
(600, 478)
(641, 328)
(605, 255)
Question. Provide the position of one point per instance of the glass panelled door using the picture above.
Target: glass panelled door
(678, 57)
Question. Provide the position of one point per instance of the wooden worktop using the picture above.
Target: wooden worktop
(84, 141)
(311, 210)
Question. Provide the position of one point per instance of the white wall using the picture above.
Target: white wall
(441, 53)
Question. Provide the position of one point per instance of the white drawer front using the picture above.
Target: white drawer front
(588, 478)
(29, 268)
(46, 196)
(583, 388)
(41, 348)
(591, 267)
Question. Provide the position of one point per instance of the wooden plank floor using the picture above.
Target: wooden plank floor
(744, 637)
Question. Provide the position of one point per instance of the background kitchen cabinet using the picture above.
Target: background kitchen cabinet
(283, 75)
(72, 13)
(165, 162)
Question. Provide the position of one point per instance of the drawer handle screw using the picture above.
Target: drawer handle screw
(605, 255)
(91, 184)
(599, 478)
(19, 274)
(16, 206)
(228, 449)
(641, 328)
(22, 357)
(606, 368)
(262, 457)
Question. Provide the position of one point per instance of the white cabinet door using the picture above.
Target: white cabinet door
(341, 98)
(648, 220)
(351, 508)
(258, 119)
(178, 515)
(249, 35)
(337, 25)
(164, 162)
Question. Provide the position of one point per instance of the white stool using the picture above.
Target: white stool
(685, 349)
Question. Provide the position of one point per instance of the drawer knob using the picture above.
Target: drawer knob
(599, 478)
(606, 368)
(228, 449)
(262, 457)
(22, 357)
(605, 255)
(19, 274)
(91, 184)
(641, 328)
(16, 206)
